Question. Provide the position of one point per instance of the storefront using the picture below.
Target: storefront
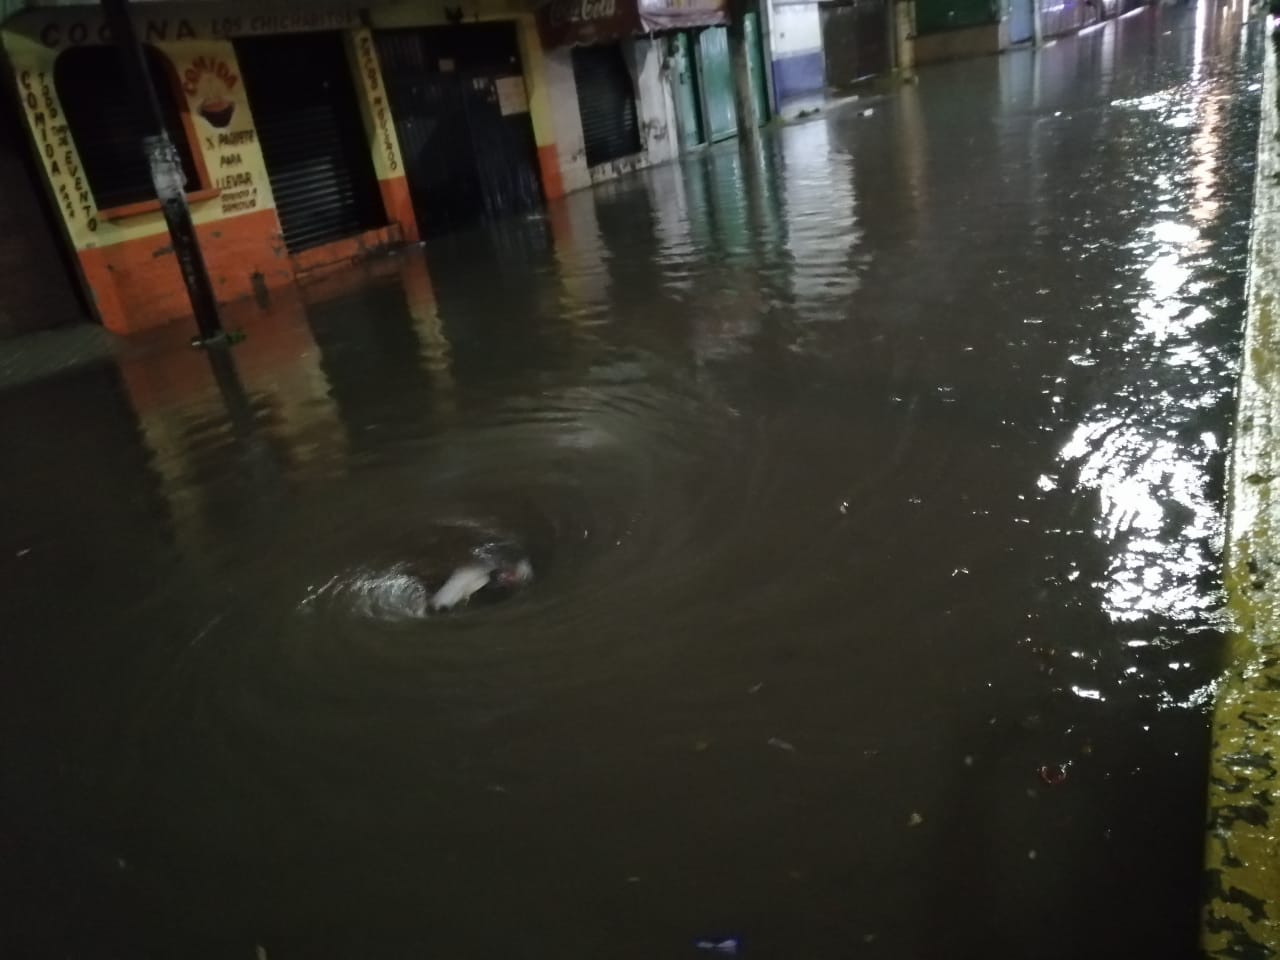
(461, 109)
(606, 103)
(289, 139)
(631, 66)
(301, 91)
(855, 40)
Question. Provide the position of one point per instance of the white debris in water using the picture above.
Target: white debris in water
(755, 688)
(968, 760)
(1031, 854)
(915, 820)
(781, 744)
(461, 585)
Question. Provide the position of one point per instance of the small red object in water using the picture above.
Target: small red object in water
(1053, 773)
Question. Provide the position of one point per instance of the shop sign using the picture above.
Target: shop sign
(656, 15)
(566, 23)
(58, 29)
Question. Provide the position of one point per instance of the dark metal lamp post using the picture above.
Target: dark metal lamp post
(166, 174)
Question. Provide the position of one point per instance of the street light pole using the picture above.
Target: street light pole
(166, 173)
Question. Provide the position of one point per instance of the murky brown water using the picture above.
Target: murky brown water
(871, 486)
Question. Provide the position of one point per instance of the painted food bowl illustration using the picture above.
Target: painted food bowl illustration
(217, 110)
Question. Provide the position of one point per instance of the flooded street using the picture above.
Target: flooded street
(872, 489)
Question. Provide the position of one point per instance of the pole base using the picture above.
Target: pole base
(219, 338)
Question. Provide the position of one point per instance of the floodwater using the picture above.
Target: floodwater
(872, 487)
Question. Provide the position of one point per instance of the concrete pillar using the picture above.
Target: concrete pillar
(903, 26)
(743, 96)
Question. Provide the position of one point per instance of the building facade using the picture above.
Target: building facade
(650, 78)
(799, 68)
(309, 137)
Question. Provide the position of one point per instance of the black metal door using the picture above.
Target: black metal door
(607, 103)
(855, 40)
(457, 96)
(300, 88)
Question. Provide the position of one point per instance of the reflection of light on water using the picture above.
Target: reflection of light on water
(1199, 698)
(1141, 480)
(1197, 53)
(1154, 509)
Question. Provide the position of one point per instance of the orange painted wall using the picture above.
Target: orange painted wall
(399, 205)
(549, 162)
(137, 285)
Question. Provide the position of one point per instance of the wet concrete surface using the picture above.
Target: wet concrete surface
(873, 491)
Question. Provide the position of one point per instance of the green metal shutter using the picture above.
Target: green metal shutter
(716, 75)
(606, 103)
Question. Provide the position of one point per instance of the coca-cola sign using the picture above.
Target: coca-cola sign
(577, 11)
(576, 22)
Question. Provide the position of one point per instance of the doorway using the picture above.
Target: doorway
(715, 74)
(1022, 21)
(461, 112)
(606, 103)
(855, 40)
(300, 88)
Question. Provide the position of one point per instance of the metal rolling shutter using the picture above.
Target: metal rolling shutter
(312, 137)
(606, 102)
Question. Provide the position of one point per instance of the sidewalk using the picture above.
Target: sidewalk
(1242, 917)
(34, 356)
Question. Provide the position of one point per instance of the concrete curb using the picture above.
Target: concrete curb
(1242, 857)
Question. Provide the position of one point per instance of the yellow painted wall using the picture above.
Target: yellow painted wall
(225, 144)
(374, 107)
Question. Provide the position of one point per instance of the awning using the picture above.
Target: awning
(566, 23)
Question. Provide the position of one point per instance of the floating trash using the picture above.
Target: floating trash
(725, 946)
(1053, 773)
